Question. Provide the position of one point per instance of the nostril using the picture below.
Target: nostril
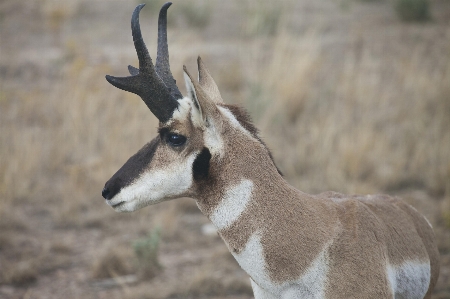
(105, 193)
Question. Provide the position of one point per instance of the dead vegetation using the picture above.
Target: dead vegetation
(347, 97)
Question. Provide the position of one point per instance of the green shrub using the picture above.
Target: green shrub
(146, 252)
(446, 217)
(413, 10)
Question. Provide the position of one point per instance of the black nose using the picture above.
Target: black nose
(105, 193)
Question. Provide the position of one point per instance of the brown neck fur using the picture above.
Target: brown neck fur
(275, 206)
(296, 227)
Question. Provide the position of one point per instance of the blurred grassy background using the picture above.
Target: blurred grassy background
(348, 96)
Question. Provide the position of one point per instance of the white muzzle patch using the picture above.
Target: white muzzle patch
(155, 186)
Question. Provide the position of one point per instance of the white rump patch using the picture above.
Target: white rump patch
(311, 285)
(410, 279)
(155, 186)
(232, 205)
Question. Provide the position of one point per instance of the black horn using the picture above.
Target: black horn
(162, 57)
(145, 81)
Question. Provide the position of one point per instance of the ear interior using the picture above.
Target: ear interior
(208, 112)
(192, 94)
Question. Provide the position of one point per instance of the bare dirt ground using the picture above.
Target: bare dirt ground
(348, 98)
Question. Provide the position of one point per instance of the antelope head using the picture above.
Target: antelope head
(190, 129)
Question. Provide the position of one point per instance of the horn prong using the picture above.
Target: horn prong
(124, 83)
(133, 71)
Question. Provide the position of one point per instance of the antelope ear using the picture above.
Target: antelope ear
(207, 83)
(192, 94)
(206, 108)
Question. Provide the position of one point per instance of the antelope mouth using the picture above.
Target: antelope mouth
(117, 205)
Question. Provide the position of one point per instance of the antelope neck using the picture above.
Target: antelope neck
(242, 207)
(224, 204)
(234, 187)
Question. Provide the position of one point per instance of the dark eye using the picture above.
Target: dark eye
(175, 139)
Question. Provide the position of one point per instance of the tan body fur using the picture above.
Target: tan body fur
(362, 234)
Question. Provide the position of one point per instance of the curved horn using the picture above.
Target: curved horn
(145, 82)
(162, 58)
(145, 62)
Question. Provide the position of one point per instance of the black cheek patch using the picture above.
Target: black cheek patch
(200, 168)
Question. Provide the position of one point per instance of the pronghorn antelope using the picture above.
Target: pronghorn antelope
(291, 244)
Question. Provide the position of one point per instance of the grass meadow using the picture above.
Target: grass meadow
(347, 96)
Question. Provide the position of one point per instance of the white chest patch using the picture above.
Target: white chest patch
(311, 285)
(232, 205)
(409, 280)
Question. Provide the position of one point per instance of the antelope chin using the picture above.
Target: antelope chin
(122, 202)
(128, 206)
(123, 206)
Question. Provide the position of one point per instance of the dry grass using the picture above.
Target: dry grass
(349, 100)
(113, 262)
